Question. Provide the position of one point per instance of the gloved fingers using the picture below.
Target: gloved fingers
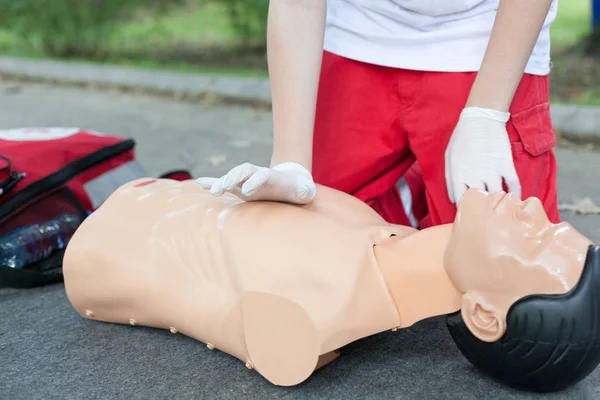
(286, 182)
(458, 190)
(513, 183)
(217, 187)
(450, 188)
(494, 184)
(256, 181)
(205, 182)
(238, 175)
(449, 183)
(476, 184)
(470, 182)
(279, 186)
(232, 179)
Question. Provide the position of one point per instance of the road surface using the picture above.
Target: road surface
(48, 352)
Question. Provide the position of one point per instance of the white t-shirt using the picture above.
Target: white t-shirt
(429, 35)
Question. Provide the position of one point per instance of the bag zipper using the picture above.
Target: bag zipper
(62, 176)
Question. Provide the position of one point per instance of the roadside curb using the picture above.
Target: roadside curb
(253, 90)
(575, 123)
(580, 124)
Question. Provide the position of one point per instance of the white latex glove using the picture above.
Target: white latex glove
(479, 154)
(287, 182)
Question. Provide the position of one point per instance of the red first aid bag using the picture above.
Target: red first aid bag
(55, 174)
(65, 164)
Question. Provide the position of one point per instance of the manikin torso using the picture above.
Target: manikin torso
(275, 285)
(177, 258)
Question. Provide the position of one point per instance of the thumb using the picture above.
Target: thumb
(305, 192)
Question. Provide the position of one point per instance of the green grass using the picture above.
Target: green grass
(200, 25)
(204, 24)
(207, 24)
(588, 98)
(197, 24)
(572, 23)
(190, 68)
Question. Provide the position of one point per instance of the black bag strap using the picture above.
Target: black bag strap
(46, 271)
(42, 273)
(178, 174)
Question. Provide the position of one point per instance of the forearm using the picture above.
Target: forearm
(294, 52)
(516, 29)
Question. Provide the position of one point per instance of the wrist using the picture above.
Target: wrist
(487, 113)
(280, 158)
(484, 101)
(492, 89)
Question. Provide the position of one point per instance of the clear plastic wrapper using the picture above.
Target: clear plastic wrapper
(34, 243)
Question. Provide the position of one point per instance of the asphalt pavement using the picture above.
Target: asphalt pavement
(48, 352)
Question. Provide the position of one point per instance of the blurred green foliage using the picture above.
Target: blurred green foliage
(225, 36)
(89, 28)
(248, 18)
(65, 28)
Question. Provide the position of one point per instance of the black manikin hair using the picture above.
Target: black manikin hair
(551, 341)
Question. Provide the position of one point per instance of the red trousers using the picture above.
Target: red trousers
(381, 134)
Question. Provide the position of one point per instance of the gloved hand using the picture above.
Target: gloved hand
(287, 182)
(479, 154)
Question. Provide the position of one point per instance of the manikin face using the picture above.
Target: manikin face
(503, 249)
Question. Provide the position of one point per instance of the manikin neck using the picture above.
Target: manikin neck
(413, 267)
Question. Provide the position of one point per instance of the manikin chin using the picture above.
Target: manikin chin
(283, 287)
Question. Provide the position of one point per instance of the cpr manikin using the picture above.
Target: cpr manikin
(282, 287)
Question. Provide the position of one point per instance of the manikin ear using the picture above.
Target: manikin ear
(484, 321)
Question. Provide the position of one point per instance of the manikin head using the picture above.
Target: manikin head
(530, 316)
